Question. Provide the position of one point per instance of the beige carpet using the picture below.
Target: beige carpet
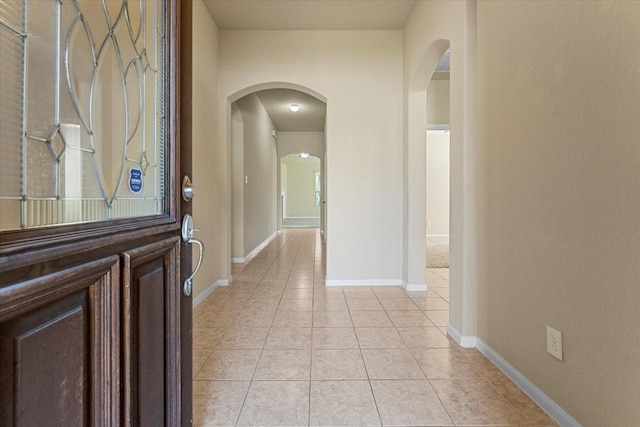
(437, 251)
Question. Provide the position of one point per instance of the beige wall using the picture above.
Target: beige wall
(438, 102)
(437, 182)
(558, 103)
(283, 176)
(360, 75)
(259, 173)
(208, 211)
(237, 183)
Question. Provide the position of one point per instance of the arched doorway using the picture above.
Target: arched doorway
(463, 215)
(264, 127)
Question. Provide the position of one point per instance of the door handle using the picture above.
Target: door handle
(187, 237)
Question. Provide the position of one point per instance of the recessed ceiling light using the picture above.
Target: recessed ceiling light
(294, 107)
(304, 155)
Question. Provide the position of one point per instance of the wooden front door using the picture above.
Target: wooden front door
(95, 326)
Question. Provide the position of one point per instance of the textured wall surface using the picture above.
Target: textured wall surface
(558, 103)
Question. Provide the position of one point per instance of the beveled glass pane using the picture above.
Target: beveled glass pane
(94, 17)
(9, 214)
(77, 65)
(40, 183)
(90, 186)
(133, 87)
(108, 121)
(113, 9)
(135, 12)
(82, 111)
(42, 66)
(11, 88)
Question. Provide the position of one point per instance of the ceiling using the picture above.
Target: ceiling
(310, 14)
(311, 116)
(444, 65)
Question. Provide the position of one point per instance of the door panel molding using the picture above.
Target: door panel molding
(75, 248)
(150, 292)
(73, 314)
(24, 296)
(14, 242)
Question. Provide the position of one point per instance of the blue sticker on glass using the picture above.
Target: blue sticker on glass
(135, 180)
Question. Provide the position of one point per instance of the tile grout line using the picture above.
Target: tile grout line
(251, 381)
(432, 388)
(426, 378)
(302, 245)
(310, 351)
(375, 401)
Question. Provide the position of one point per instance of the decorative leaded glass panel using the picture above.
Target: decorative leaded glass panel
(81, 112)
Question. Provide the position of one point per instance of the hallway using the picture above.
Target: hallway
(277, 347)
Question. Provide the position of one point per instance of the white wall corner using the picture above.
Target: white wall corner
(545, 402)
(257, 249)
(466, 341)
(204, 294)
(364, 282)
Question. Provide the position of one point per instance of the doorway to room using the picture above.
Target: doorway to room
(460, 289)
(438, 154)
(277, 132)
(300, 190)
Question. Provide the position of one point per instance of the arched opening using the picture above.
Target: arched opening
(417, 120)
(268, 122)
(462, 299)
(438, 194)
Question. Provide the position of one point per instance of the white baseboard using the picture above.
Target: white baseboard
(545, 402)
(364, 282)
(294, 218)
(301, 222)
(221, 282)
(554, 410)
(414, 287)
(466, 341)
(256, 250)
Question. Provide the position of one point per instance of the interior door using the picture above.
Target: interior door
(95, 317)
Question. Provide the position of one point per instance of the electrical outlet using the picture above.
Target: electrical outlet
(554, 343)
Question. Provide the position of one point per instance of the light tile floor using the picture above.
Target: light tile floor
(278, 348)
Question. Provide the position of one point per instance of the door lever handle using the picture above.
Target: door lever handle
(187, 237)
(188, 282)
